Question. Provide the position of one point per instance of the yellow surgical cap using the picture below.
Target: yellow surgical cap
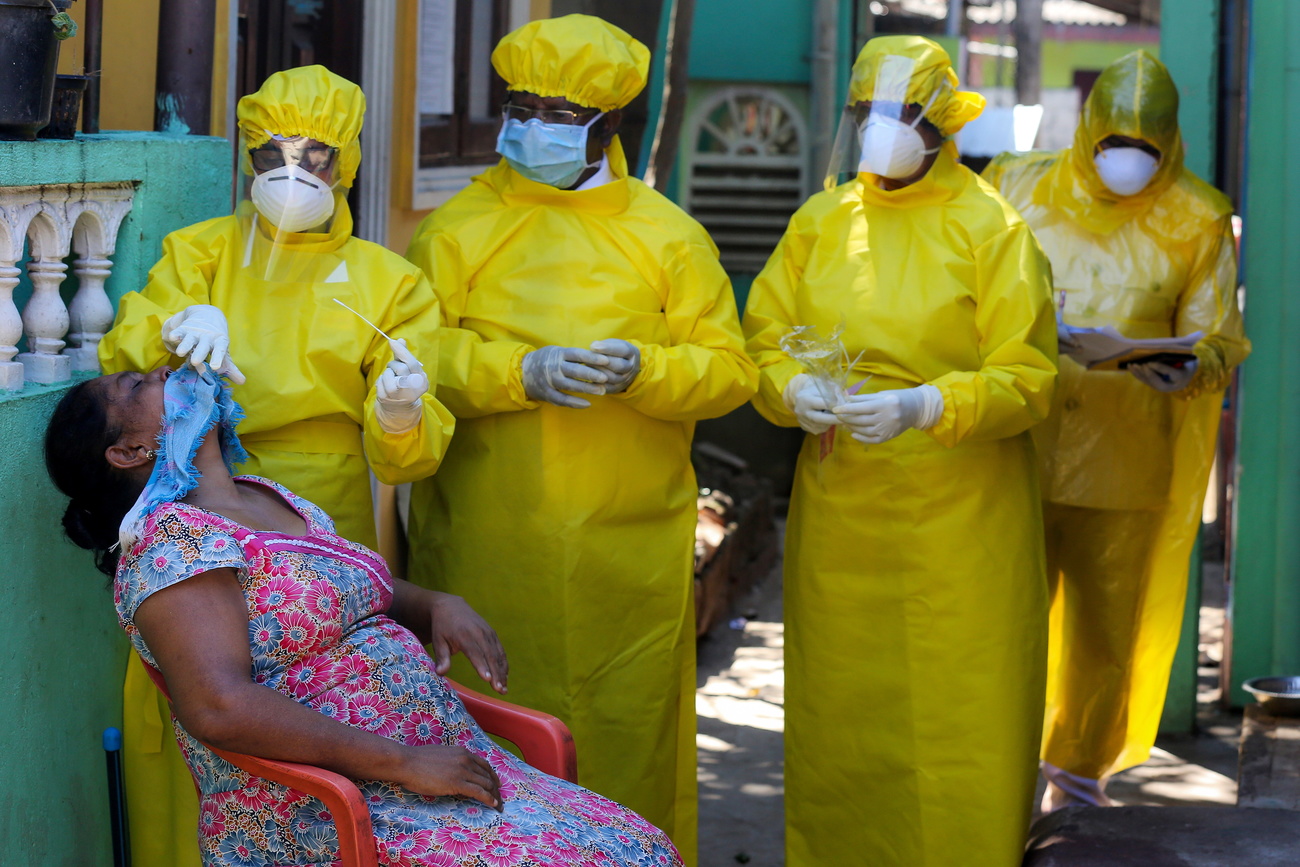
(582, 58)
(929, 74)
(308, 101)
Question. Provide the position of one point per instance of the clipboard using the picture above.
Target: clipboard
(1106, 349)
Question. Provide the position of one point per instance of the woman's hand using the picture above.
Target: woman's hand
(459, 628)
(439, 770)
(451, 626)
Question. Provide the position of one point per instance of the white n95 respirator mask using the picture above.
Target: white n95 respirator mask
(292, 199)
(892, 149)
(1125, 171)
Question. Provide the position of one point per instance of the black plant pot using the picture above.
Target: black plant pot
(29, 56)
(68, 90)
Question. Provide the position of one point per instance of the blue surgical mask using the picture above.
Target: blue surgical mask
(194, 404)
(548, 153)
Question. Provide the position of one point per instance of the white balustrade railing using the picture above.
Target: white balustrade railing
(58, 219)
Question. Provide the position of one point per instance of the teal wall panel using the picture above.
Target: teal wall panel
(62, 654)
(752, 40)
(1265, 600)
(1189, 47)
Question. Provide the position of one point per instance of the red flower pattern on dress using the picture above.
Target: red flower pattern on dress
(421, 728)
(300, 631)
(253, 797)
(365, 710)
(211, 823)
(307, 677)
(353, 666)
(501, 853)
(277, 594)
(322, 599)
(461, 842)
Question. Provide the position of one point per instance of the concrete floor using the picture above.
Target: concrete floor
(740, 700)
(1199, 769)
(740, 697)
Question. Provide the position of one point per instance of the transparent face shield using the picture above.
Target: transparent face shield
(880, 136)
(287, 204)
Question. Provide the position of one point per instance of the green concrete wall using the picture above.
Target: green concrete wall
(1265, 598)
(62, 654)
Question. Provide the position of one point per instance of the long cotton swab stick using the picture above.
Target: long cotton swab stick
(362, 318)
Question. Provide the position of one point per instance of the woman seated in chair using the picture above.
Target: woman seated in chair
(229, 585)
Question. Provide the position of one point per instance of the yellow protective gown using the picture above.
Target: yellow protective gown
(1124, 467)
(572, 531)
(310, 424)
(915, 598)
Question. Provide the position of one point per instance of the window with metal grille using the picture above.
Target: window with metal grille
(746, 172)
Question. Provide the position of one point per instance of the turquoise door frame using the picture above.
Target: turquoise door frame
(1189, 47)
(1265, 601)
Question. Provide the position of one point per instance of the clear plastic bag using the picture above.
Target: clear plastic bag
(824, 360)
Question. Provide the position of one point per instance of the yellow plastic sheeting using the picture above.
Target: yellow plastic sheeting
(571, 531)
(309, 399)
(1159, 264)
(916, 599)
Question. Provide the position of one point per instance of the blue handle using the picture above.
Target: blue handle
(116, 797)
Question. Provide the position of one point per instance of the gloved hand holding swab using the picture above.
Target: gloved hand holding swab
(399, 388)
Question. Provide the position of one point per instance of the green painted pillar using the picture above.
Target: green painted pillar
(1189, 47)
(1265, 601)
(846, 52)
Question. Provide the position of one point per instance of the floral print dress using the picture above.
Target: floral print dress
(318, 633)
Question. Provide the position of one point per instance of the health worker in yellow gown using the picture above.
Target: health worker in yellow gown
(588, 326)
(915, 592)
(327, 399)
(1138, 243)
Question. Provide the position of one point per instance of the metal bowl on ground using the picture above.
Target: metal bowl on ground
(1279, 696)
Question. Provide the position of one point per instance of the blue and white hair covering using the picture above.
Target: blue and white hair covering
(193, 404)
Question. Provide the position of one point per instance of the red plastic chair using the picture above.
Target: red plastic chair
(544, 740)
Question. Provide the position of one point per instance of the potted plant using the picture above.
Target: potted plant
(30, 32)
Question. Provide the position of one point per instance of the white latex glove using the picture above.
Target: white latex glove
(624, 363)
(1163, 377)
(398, 408)
(552, 370)
(879, 417)
(200, 333)
(804, 399)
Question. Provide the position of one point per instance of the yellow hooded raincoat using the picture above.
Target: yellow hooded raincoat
(571, 530)
(1124, 467)
(311, 369)
(915, 596)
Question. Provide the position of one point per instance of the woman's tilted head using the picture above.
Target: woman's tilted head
(97, 452)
